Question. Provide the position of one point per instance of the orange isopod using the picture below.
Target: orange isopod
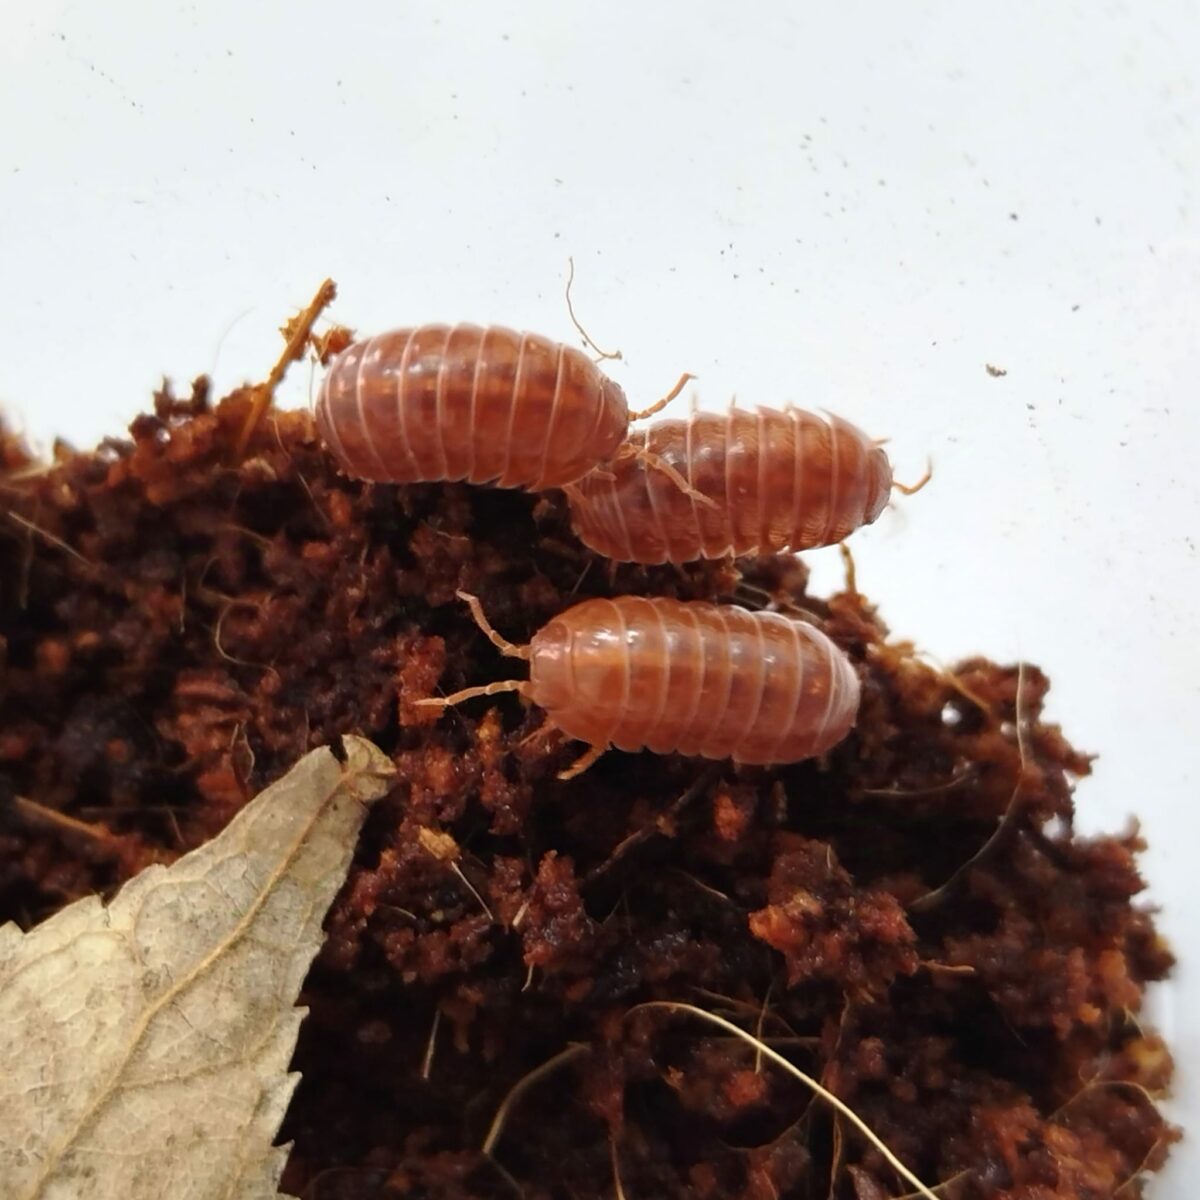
(684, 677)
(758, 481)
(488, 405)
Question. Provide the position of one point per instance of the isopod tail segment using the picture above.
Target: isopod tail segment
(509, 650)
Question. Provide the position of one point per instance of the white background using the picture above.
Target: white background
(855, 205)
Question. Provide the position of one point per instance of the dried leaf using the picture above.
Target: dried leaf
(144, 1045)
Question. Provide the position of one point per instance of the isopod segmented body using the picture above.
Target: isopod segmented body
(684, 677)
(776, 479)
(488, 405)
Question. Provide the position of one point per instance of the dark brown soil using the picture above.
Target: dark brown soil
(179, 623)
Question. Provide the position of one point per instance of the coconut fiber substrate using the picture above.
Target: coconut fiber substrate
(182, 619)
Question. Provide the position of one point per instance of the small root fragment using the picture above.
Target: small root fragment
(239, 662)
(601, 355)
(518, 1089)
(758, 1027)
(46, 535)
(618, 1190)
(702, 784)
(707, 889)
(1159, 1142)
(823, 1093)
(446, 850)
(471, 888)
(939, 1187)
(967, 775)
(431, 1047)
(1012, 812)
(1094, 1084)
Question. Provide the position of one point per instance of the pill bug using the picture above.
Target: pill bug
(755, 481)
(684, 677)
(464, 402)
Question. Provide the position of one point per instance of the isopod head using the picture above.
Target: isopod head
(551, 682)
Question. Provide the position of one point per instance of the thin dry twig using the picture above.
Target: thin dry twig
(298, 332)
(652, 827)
(31, 810)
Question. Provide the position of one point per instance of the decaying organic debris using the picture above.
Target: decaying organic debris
(179, 622)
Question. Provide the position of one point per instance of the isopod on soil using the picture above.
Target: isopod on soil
(464, 402)
(684, 677)
(757, 481)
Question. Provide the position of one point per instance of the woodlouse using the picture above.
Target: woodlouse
(757, 481)
(463, 402)
(682, 677)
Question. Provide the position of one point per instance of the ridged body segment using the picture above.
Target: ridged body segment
(488, 405)
(693, 678)
(779, 479)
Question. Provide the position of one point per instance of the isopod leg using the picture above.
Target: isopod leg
(656, 463)
(659, 405)
(911, 489)
(502, 644)
(543, 731)
(487, 689)
(582, 763)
